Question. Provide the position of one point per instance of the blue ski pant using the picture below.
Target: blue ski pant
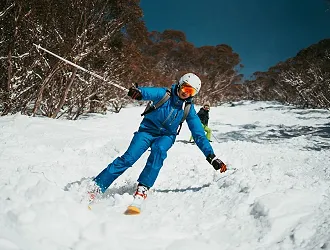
(140, 143)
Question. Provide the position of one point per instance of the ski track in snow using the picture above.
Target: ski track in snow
(275, 194)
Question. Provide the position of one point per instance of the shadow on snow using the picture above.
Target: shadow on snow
(179, 190)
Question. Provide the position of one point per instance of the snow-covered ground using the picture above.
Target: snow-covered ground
(277, 198)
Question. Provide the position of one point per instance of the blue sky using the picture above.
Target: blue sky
(262, 32)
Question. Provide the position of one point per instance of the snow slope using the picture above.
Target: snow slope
(275, 195)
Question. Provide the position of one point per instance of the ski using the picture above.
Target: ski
(132, 210)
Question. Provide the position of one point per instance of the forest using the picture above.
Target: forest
(110, 39)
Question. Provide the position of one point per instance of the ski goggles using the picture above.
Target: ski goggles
(187, 89)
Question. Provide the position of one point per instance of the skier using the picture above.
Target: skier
(203, 115)
(158, 131)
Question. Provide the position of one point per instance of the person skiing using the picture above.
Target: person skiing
(157, 131)
(203, 115)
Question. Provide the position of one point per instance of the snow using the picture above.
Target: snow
(275, 194)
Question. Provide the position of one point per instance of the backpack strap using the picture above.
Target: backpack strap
(187, 107)
(153, 107)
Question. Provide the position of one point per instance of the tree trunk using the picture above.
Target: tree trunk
(43, 86)
(65, 94)
(6, 108)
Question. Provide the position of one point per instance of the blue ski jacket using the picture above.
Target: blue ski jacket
(166, 119)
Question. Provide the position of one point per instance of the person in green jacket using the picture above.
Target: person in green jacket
(203, 115)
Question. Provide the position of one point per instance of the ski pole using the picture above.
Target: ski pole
(81, 68)
(232, 171)
(215, 138)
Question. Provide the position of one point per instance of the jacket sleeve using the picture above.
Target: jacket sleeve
(152, 93)
(196, 128)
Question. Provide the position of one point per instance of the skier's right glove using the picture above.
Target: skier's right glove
(216, 163)
(135, 93)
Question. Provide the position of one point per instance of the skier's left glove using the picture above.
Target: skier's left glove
(216, 163)
(135, 93)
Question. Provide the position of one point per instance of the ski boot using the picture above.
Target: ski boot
(93, 193)
(139, 196)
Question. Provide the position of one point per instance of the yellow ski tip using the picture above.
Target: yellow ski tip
(132, 210)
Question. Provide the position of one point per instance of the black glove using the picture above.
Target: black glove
(135, 93)
(216, 163)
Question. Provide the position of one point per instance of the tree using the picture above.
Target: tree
(172, 55)
(93, 35)
(302, 80)
(106, 37)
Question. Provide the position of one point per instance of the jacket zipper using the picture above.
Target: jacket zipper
(176, 115)
(168, 117)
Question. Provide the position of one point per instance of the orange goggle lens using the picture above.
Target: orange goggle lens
(188, 90)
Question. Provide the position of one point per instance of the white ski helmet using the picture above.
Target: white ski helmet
(192, 80)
